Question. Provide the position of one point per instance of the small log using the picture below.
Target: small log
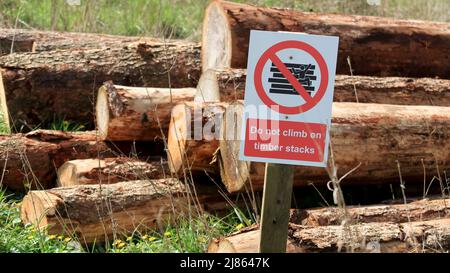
(23, 40)
(228, 85)
(64, 84)
(193, 137)
(136, 113)
(99, 212)
(420, 236)
(4, 114)
(396, 46)
(108, 171)
(420, 210)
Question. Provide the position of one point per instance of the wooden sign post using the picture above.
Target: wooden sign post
(287, 116)
(277, 194)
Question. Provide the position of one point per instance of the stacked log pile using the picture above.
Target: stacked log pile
(390, 118)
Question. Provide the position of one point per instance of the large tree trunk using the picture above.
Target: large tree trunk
(420, 210)
(101, 212)
(23, 40)
(63, 84)
(108, 171)
(31, 160)
(193, 137)
(95, 212)
(229, 85)
(386, 237)
(136, 113)
(375, 45)
(375, 135)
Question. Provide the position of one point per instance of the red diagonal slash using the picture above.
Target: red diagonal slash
(288, 75)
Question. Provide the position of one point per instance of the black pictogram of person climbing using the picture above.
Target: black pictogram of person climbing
(304, 73)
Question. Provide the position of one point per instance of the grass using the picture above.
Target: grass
(182, 18)
(187, 236)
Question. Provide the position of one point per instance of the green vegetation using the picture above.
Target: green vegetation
(182, 18)
(188, 235)
(65, 125)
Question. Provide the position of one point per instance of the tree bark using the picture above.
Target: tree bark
(31, 160)
(421, 210)
(136, 113)
(108, 171)
(24, 40)
(385, 237)
(95, 212)
(228, 85)
(397, 47)
(102, 212)
(193, 137)
(63, 84)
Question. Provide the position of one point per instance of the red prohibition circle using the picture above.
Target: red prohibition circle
(270, 53)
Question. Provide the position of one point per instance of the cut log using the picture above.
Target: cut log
(229, 85)
(108, 171)
(396, 46)
(96, 212)
(375, 135)
(101, 212)
(31, 160)
(136, 113)
(193, 137)
(4, 114)
(426, 236)
(23, 40)
(40, 86)
(420, 210)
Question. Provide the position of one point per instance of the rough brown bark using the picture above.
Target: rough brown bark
(193, 137)
(420, 236)
(95, 212)
(31, 160)
(40, 86)
(108, 171)
(229, 85)
(420, 210)
(375, 45)
(99, 212)
(35, 40)
(136, 113)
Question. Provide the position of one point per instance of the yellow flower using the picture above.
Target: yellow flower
(121, 245)
(60, 237)
(52, 237)
(116, 242)
(145, 237)
(240, 226)
(129, 238)
(30, 237)
(167, 234)
(151, 239)
(202, 239)
(67, 239)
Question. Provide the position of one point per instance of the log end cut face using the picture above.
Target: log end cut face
(216, 40)
(178, 132)
(102, 112)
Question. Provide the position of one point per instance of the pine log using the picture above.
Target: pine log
(31, 160)
(229, 85)
(397, 47)
(108, 171)
(375, 135)
(63, 84)
(96, 212)
(193, 137)
(136, 113)
(102, 212)
(420, 210)
(4, 114)
(24, 40)
(386, 237)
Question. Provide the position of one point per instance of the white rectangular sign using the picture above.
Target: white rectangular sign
(288, 98)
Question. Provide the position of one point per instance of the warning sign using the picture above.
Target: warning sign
(288, 98)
